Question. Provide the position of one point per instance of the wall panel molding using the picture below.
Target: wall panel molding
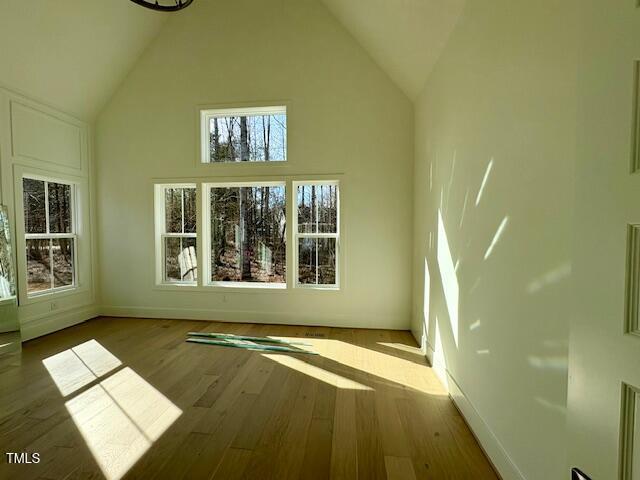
(632, 293)
(628, 430)
(635, 135)
(45, 137)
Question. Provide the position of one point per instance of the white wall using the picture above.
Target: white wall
(499, 110)
(346, 118)
(72, 54)
(38, 140)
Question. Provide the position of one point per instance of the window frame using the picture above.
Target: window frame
(161, 234)
(206, 233)
(51, 236)
(297, 235)
(206, 114)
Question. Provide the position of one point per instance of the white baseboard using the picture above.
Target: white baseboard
(51, 322)
(279, 318)
(492, 447)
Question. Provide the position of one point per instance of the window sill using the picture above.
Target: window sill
(49, 295)
(8, 300)
(247, 162)
(227, 287)
(317, 288)
(239, 287)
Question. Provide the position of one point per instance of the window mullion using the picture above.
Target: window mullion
(181, 245)
(46, 207)
(182, 213)
(51, 261)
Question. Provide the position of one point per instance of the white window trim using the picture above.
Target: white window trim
(52, 236)
(203, 186)
(161, 234)
(207, 114)
(297, 236)
(206, 241)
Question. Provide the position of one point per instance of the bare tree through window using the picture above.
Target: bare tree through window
(318, 233)
(50, 234)
(179, 240)
(250, 137)
(248, 233)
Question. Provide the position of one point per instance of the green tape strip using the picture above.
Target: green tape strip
(244, 337)
(254, 346)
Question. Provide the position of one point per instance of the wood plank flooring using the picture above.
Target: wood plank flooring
(128, 398)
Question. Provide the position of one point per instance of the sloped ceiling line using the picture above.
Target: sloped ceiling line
(405, 37)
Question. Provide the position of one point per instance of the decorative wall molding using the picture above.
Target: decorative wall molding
(632, 289)
(628, 422)
(43, 136)
(635, 135)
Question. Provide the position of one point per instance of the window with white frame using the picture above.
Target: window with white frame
(50, 235)
(177, 239)
(246, 237)
(317, 234)
(257, 134)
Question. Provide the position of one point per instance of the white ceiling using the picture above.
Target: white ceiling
(405, 37)
(72, 54)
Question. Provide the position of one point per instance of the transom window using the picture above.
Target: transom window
(317, 234)
(247, 233)
(50, 234)
(244, 135)
(178, 237)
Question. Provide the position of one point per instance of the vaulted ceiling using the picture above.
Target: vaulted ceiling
(405, 37)
(73, 54)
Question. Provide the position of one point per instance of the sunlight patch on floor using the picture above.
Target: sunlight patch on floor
(388, 367)
(120, 416)
(331, 378)
(76, 367)
(403, 347)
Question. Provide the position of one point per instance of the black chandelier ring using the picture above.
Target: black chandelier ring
(167, 7)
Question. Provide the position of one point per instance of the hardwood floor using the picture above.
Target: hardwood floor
(129, 398)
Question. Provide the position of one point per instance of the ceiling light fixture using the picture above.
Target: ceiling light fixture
(164, 5)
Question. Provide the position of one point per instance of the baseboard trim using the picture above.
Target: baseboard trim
(502, 463)
(52, 322)
(236, 316)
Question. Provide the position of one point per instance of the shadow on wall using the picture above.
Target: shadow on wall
(453, 326)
